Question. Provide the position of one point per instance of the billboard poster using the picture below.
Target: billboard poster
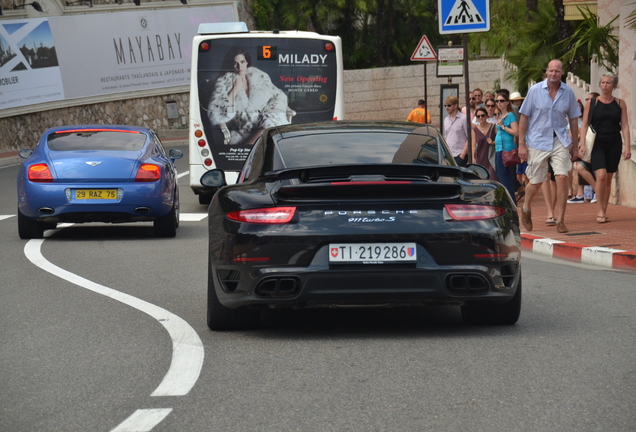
(247, 84)
(29, 67)
(78, 56)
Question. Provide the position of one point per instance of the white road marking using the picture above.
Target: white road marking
(3, 217)
(183, 174)
(187, 349)
(192, 217)
(143, 420)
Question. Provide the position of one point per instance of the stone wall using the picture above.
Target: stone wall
(24, 131)
(391, 93)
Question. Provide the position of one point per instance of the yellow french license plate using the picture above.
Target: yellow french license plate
(89, 194)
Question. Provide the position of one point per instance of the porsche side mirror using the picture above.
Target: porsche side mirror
(480, 170)
(175, 154)
(214, 178)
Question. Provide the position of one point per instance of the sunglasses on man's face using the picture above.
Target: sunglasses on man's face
(447, 106)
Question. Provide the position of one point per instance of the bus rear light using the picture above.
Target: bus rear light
(329, 47)
(208, 162)
(198, 133)
(40, 173)
(274, 215)
(148, 173)
(201, 143)
(205, 46)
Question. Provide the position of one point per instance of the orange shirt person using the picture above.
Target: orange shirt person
(420, 114)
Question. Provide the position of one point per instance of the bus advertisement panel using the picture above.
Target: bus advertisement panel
(248, 82)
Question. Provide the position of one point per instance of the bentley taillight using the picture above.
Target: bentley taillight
(40, 173)
(470, 212)
(148, 173)
(274, 215)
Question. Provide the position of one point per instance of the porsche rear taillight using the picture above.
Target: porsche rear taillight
(471, 212)
(148, 173)
(274, 215)
(40, 173)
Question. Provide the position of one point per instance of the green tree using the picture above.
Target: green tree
(591, 39)
(374, 33)
(506, 18)
(631, 20)
(536, 45)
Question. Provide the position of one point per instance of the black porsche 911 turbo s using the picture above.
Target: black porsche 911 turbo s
(350, 214)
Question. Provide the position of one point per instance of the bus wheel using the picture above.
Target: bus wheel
(205, 199)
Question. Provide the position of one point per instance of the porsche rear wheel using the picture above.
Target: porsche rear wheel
(223, 318)
(494, 314)
(29, 229)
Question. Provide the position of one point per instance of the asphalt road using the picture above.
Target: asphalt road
(103, 329)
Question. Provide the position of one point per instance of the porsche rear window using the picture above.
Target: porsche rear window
(358, 148)
(96, 140)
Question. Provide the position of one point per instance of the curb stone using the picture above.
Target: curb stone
(592, 255)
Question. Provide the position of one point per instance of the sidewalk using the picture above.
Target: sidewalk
(9, 158)
(611, 244)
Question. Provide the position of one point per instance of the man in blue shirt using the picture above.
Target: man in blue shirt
(544, 140)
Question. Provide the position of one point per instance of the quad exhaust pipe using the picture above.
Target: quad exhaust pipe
(467, 283)
(278, 287)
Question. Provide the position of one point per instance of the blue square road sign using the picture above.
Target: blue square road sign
(463, 16)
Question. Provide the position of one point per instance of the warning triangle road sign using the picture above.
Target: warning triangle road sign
(424, 51)
(463, 12)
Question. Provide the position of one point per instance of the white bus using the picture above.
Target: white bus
(244, 81)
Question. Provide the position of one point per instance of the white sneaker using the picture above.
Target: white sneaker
(593, 199)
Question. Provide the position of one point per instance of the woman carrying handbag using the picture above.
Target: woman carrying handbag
(507, 130)
(609, 119)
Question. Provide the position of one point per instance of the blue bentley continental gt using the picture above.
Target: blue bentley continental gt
(98, 173)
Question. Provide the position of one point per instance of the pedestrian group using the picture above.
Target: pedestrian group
(547, 130)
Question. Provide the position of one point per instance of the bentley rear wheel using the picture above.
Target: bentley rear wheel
(29, 229)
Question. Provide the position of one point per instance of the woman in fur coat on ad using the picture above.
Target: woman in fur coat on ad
(245, 100)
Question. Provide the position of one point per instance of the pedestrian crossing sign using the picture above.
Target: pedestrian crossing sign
(424, 51)
(463, 16)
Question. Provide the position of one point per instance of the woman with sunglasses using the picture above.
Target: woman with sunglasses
(483, 136)
(490, 110)
(507, 130)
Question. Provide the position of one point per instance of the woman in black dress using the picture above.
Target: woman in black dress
(609, 119)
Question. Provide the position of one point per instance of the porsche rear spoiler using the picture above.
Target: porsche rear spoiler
(364, 182)
(392, 171)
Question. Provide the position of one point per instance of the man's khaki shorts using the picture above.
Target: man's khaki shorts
(538, 160)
